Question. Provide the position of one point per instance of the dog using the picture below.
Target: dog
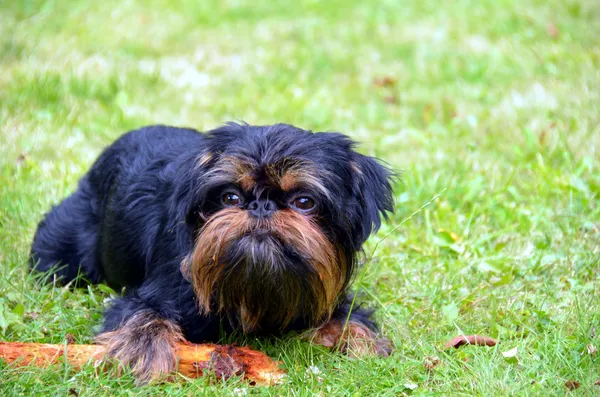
(252, 229)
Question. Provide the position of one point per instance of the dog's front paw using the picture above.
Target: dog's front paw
(146, 344)
(355, 339)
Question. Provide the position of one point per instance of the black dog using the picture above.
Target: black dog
(242, 228)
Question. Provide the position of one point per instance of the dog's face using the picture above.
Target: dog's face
(279, 215)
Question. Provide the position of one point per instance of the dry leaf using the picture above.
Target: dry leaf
(591, 350)
(572, 384)
(386, 81)
(477, 340)
(32, 315)
(430, 362)
(391, 99)
(552, 30)
(542, 137)
(21, 159)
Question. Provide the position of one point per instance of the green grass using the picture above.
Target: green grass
(493, 104)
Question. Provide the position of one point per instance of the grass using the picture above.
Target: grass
(493, 104)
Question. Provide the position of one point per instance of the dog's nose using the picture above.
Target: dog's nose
(262, 208)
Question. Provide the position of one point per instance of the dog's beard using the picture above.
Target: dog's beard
(266, 272)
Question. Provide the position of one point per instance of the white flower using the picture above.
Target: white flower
(313, 370)
(240, 391)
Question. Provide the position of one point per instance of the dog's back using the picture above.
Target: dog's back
(70, 241)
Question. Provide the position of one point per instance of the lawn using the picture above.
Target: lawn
(491, 110)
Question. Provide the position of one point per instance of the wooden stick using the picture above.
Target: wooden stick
(193, 360)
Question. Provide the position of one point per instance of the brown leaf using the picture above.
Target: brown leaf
(32, 315)
(386, 81)
(552, 30)
(428, 113)
(73, 392)
(21, 159)
(391, 99)
(542, 137)
(430, 362)
(477, 340)
(572, 384)
(597, 383)
(70, 339)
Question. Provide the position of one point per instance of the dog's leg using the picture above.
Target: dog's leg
(356, 334)
(141, 330)
(66, 240)
(146, 343)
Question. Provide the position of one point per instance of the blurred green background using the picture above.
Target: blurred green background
(494, 105)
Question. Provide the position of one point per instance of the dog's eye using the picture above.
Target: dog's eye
(304, 203)
(231, 199)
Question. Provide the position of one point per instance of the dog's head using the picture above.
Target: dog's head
(280, 214)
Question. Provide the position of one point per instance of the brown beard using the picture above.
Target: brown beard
(266, 283)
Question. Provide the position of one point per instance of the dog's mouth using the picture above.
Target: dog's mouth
(261, 232)
(265, 283)
(267, 275)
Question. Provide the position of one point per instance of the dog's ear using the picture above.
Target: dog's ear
(188, 194)
(372, 184)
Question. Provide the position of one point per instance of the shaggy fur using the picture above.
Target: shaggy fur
(250, 228)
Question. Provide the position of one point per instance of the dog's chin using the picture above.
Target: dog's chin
(268, 273)
(266, 284)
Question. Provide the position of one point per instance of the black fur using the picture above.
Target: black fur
(135, 214)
